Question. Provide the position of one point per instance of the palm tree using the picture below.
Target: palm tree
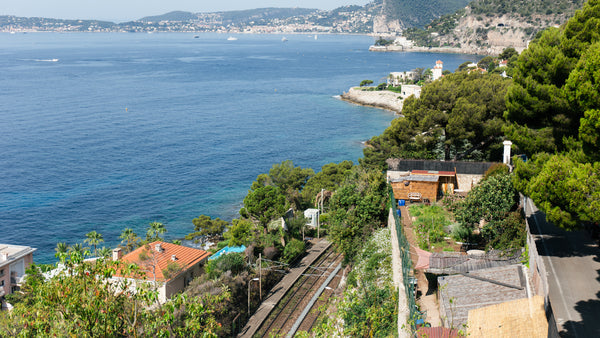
(154, 231)
(61, 250)
(93, 238)
(129, 238)
(77, 252)
(104, 252)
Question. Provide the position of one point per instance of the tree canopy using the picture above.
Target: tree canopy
(459, 116)
(553, 111)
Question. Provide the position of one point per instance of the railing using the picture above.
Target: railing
(407, 269)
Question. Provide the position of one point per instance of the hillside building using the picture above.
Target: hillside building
(14, 260)
(437, 70)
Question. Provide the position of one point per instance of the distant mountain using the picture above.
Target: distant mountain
(171, 16)
(235, 17)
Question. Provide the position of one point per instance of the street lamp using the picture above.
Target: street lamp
(253, 279)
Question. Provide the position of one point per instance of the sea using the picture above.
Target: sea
(106, 131)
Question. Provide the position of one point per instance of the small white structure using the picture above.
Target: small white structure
(437, 70)
(408, 90)
(313, 216)
(506, 157)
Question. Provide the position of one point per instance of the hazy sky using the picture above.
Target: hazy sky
(124, 10)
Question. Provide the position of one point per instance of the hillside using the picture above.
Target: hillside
(397, 15)
(489, 26)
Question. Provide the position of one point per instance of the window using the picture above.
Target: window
(2, 282)
(1, 272)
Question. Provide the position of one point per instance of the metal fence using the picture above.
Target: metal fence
(407, 268)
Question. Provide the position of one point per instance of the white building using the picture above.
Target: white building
(313, 217)
(437, 70)
(408, 90)
(397, 78)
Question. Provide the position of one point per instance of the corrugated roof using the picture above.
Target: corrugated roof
(433, 172)
(159, 260)
(417, 178)
(437, 332)
(454, 262)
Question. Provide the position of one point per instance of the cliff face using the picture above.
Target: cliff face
(489, 26)
(394, 16)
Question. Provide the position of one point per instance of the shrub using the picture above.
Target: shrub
(294, 248)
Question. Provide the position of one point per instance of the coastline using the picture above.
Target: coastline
(414, 49)
(382, 99)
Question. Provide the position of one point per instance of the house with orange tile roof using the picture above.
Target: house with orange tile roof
(170, 266)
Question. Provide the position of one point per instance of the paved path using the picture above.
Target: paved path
(572, 262)
(279, 290)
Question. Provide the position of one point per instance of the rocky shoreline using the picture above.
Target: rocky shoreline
(447, 50)
(383, 99)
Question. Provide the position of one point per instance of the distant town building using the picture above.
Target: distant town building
(14, 260)
(172, 267)
(437, 70)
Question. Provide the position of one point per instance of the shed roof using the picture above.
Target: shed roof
(433, 172)
(456, 262)
(417, 178)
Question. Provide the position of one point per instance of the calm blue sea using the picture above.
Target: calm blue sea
(107, 131)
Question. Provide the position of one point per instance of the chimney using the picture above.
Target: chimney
(173, 258)
(506, 157)
(3, 256)
(116, 254)
(158, 247)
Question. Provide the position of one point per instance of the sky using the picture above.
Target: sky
(125, 10)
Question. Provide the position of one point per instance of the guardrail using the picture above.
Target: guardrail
(407, 267)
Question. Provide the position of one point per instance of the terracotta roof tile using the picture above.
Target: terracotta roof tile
(185, 257)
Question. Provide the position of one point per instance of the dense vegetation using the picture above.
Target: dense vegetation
(369, 305)
(554, 114)
(458, 116)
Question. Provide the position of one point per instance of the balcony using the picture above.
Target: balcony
(16, 280)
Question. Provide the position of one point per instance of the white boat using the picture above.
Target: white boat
(231, 38)
(316, 37)
(283, 39)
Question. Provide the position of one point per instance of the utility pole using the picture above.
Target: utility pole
(319, 215)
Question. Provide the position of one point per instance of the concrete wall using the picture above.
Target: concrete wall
(466, 182)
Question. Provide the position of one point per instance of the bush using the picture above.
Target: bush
(292, 250)
(366, 82)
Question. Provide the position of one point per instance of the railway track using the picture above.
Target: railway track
(283, 317)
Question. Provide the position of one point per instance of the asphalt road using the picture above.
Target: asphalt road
(572, 262)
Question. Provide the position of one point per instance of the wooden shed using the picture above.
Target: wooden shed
(411, 186)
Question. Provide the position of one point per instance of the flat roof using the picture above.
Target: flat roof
(14, 252)
(433, 172)
(417, 178)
